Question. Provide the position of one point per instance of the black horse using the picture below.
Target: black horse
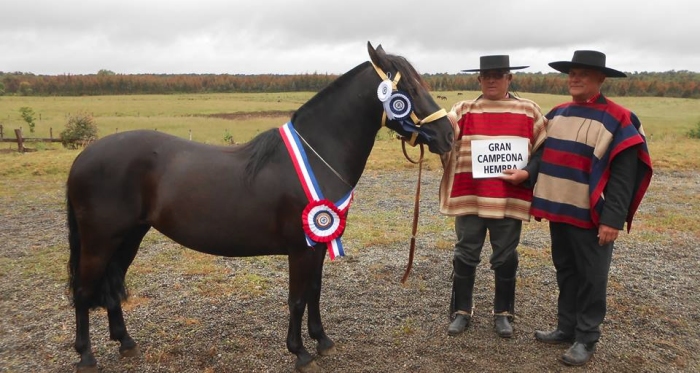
(245, 200)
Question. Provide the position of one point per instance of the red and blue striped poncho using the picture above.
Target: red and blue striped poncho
(484, 119)
(582, 140)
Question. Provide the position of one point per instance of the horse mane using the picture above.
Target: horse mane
(260, 150)
(326, 92)
(410, 76)
(408, 72)
(264, 146)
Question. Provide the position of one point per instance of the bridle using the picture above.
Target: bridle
(398, 106)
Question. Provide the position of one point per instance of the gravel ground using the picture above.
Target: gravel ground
(378, 324)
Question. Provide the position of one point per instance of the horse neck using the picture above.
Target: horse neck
(341, 123)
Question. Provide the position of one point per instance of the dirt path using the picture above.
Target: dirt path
(379, 325)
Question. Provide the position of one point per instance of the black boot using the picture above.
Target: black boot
(555, 336)
(461, 305)
(504, 299)
(503, 313)
(578, 354)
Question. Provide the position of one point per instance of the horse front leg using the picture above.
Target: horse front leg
(118, 332)
(87, 363)
(300, 275)
(325, 346)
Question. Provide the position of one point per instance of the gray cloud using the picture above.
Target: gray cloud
(218, 36)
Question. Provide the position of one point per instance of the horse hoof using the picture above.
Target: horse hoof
(86, 369)
(330, 351)
(130, 352)
(311, 367)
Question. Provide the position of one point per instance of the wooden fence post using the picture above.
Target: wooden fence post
(1, 134)
(20, 141)
(51, 133)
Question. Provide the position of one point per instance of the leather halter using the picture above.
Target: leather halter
(416, 121)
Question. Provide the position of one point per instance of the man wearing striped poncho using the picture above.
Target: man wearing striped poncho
(498, 203)
(593, 173)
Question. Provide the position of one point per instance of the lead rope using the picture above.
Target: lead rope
(416, 208)
(412, 141)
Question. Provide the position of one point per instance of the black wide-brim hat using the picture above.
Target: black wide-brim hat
(496, 62)
(589, 60)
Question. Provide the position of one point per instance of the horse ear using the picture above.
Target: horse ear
(372, 52)
(376, 55)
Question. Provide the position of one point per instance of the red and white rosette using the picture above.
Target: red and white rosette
(322, 221)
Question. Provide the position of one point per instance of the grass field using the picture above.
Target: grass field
(175, 114)
(665, 120)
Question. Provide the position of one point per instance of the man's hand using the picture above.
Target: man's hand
(515, 176)
(606, 234)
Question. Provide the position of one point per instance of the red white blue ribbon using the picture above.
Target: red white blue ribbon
(322, 220)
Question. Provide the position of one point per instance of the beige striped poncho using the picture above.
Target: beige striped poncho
(460, 193)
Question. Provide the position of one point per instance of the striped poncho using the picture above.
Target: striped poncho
(483, 119)
(582, 141)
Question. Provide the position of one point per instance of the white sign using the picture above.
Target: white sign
(491, 157)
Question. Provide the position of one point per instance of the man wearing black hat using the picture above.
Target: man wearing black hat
(593, 172)
(495, 201)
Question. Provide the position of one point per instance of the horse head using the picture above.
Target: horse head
(409, 109)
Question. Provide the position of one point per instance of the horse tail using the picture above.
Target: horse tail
(74, 245)
(109, 290)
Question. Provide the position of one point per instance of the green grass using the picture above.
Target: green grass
(665, 120)
(42, 264)
(174, 114)
(40, 176)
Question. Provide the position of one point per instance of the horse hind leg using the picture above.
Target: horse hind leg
(97, 279)
(85, 272)
(118, 332)
(87, 363)
(87, 294)
(124, 256)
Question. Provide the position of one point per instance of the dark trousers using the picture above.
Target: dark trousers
(582, 275)
(471, 230)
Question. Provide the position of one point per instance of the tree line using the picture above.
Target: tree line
(683, 84)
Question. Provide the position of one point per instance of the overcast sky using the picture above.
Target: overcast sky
(293, 36)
